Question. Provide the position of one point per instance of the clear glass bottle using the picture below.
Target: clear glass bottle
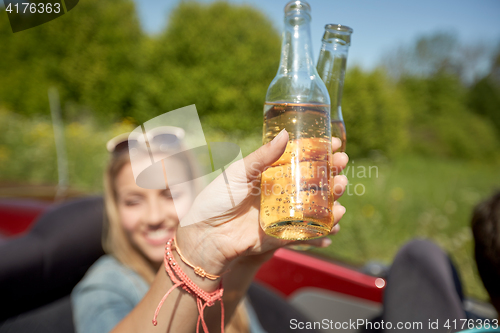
(296, 199)
(331, 68)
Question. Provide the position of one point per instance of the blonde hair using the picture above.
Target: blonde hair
(116, 242)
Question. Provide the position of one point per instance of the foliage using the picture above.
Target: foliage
(89, 54)
(441, 123)
(375, 113)
(484, 96)
(218, 56)
(391, 202)
(27, 150)
(222, 58)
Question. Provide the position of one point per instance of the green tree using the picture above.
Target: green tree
(441, 123)
(90, 54)
(375, 113)
(484, 96)
(218, 56)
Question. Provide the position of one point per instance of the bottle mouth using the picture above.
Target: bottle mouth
(298, 8)
(339, 28)
(339, 33)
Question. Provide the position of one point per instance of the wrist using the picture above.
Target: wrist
(200, 250)
(204, 283)
(255, 261)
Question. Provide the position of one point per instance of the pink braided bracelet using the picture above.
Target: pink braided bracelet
(179, 278)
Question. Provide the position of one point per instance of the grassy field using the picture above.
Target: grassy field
(413, 197)
(388, 202)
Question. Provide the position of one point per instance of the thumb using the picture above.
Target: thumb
(256, 162)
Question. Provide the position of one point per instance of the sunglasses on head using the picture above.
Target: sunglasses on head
(165, 138)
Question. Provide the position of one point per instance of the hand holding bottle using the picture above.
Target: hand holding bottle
(215, 243)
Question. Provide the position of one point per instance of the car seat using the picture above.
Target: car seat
(39, 269)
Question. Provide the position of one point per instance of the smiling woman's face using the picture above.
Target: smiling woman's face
(149, 217)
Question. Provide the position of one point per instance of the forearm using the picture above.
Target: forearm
(179, 312)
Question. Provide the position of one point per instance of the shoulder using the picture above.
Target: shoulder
(106, 294)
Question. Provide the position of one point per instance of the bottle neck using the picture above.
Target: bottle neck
(297, 80)
(332, 65)
(296, 50)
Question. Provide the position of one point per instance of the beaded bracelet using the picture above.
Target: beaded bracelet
(179, 278)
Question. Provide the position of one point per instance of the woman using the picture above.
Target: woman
(121, 292)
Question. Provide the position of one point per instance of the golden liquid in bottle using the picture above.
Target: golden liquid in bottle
(296, 196)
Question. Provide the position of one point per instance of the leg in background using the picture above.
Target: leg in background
(421, 287)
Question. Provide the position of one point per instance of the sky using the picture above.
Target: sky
(379, 25)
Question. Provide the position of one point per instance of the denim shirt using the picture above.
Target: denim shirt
(109, 291)
(106, 294)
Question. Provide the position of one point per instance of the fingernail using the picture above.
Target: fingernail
(277, 137)
(344, 209)
(326, 242)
